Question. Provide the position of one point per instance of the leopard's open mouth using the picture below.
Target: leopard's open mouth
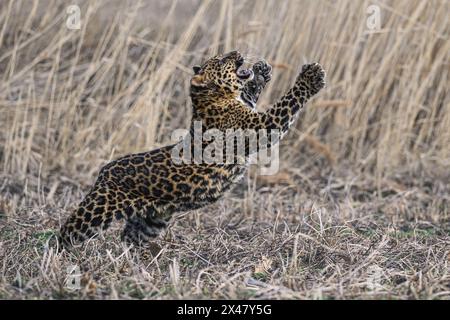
(241, 71)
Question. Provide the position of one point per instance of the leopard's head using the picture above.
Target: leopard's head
(223, 75)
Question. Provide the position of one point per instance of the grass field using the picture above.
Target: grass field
(359, 209)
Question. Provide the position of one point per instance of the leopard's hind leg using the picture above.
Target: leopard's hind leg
(145, 226)
(95, 214)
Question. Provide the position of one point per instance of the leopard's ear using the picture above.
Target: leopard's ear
(198, 81)
(196, 69)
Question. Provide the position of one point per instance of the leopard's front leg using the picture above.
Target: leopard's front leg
(283, 113)
(262, 73)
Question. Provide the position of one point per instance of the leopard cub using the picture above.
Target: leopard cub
(147, 188)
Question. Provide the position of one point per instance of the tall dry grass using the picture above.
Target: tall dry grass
(72, 99)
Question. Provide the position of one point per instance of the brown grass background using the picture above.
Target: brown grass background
(364, 177)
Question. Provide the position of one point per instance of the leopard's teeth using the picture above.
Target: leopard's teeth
(244, 73)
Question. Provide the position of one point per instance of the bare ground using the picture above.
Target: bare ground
(324, 235)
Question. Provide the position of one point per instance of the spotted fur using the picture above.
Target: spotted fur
(146, 189)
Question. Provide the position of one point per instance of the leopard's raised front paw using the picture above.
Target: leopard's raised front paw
(314, 77)
(262, 68)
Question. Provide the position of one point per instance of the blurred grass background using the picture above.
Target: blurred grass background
(71, 99)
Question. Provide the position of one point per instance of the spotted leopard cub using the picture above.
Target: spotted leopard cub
(146, 189)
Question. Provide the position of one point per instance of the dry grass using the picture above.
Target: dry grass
(360, 208)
